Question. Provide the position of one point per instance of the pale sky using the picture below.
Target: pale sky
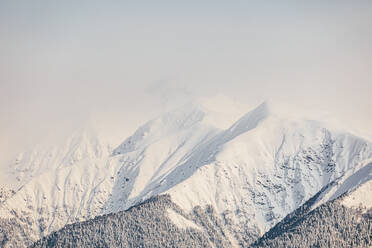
(64, 61)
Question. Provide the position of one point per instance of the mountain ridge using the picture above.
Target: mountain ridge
(253, 173)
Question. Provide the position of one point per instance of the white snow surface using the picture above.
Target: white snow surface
(361, 197)
(180, 221)
(254, 171)
(353, 187)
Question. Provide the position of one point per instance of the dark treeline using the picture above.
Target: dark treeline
(330, 225)
(145, 225)
(148, 225)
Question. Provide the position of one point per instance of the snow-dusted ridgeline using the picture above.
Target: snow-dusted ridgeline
(253, 172)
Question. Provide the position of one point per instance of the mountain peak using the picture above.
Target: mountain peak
(215, 113)
(278, 108)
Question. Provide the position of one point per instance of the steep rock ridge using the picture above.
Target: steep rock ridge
(252, 174)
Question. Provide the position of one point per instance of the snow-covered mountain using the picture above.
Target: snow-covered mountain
(252, 170)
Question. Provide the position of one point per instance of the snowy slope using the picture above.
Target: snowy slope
(262, 168)
(82, 145)
(354, 188)
(361, 197)
(253, 170)
(59, 184)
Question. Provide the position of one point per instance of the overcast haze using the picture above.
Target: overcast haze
(62, 62)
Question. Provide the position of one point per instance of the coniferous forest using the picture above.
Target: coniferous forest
(147, 225)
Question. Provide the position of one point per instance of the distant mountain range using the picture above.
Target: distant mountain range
(195, 177)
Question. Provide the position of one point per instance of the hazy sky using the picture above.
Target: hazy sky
(63, 61)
